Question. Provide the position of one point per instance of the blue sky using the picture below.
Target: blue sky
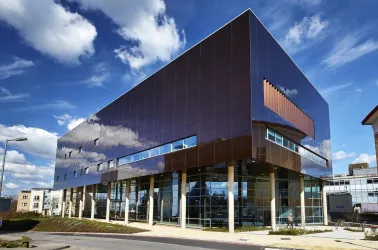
(62, 61)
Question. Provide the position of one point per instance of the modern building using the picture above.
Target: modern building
(229, 133)
(23, 201)
(372, 120)
(45, 201)
(362, 185)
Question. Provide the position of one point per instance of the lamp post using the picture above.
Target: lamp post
(5, 153)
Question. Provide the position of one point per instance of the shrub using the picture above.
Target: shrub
(297, 231)
(250, 229)
(373, 235)
(216, 229)
(19, 215)
(353, 229)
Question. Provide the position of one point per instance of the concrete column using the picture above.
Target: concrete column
(127, 202)
(81, 202)
(324, 202)
(93, 201)
(70, 204)
(64, 202)
(84, 195)
(183, 199)
(108, 202)
(151, 203)
(273, 200)
(231, 198)
(303, 212)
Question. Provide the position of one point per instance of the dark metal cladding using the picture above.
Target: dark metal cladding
(213, 91)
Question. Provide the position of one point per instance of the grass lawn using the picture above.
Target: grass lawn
(297, 231)
(20, 223)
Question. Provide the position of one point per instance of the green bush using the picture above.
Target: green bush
(216, 229)
(250, 229)
(297, 231)
(353, 229)
(238, 230)
(19, 215)
(371, 236)
(22, 243)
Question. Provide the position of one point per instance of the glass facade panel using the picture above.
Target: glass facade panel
(275, 137)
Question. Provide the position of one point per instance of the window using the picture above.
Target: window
(95, 142)
(136, 157)
(65, 176)
(86, 171)
(160, 150)
(80, 149)
(145, 154)
(24, 204)
(35, 205)
(190, 142)
(75, 174)
(369, 181)
(36, 198)
(99, 167)
(70, 154)
(154, 152)
(81, 172)
(277, 138)
(165, 149)
(57, 179)
(65, 156)
(24, 197)
(271, 135)
(110, 164)
(177, 145)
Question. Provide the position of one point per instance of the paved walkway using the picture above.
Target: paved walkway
(328, 240)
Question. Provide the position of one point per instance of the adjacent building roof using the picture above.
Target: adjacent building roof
(371, 117)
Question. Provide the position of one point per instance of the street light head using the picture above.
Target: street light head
(20, 139)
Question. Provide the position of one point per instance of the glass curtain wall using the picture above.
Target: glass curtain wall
(252, 196)
(207, 194)
(139, 197)
(287, 196)
(313, 200)
(117, 200)
(167, 197)
(87, 202)
(101, 196)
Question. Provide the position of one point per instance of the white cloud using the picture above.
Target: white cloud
(17, 67)
(51, 29)
(40, 142)
(59, 104)
(71, 121)
(330, 90)
(11, 185)
(97, 80)
(7, 96)
(341, 155)
(370, 159)
(74, 122)
(289, 92)
(305, 33)
(348, 49)
(151, 35)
